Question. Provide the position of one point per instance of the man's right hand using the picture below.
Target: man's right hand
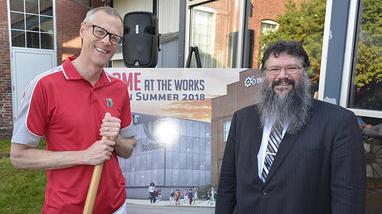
(99, 152)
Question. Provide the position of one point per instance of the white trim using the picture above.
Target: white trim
(269, 21)
(54, 32)
(325, 48)
(366, 113)
(117, 56)
(187, 32)
(240, 44)
(11, 62)
(196, 2)
(348, 56)
(35, 82)
(107, 76)
(205, 9)
(63, 72)
(25, 24)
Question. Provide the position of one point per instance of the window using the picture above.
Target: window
(202, 37)
(227, 125)
(214, 29)
(366, 85)
(32, 23)
(268, 26)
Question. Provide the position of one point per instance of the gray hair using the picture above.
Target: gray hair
(292, 109)
(108, 10)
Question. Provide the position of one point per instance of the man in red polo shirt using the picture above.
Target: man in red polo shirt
(67, 106)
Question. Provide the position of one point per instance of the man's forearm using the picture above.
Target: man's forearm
(124, 146)
(26, 157)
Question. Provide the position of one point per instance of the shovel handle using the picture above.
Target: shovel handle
(93, 188)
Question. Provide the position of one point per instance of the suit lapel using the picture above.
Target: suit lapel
(256, 133)
(285, 146)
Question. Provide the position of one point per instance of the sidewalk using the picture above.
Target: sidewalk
(183, 203)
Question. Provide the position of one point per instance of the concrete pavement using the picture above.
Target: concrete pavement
(183, 203)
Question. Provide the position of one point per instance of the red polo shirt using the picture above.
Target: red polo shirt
(68, 111)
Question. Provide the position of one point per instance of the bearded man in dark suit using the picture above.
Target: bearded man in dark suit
(290, 153)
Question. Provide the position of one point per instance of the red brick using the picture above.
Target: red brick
(69, 15)
(265, 10)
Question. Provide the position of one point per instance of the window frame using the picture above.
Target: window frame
(349, 61)
(268, 22)
(226, 131)
(26, 31)
(241, 28)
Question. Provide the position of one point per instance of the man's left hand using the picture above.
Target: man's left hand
(110, 127)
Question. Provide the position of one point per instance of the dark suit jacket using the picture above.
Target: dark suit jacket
(320, 169)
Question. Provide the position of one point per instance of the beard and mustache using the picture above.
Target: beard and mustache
(292, 108)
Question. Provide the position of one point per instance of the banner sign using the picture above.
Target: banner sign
(174, 91)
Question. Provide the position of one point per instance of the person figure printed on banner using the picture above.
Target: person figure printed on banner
(291, 153)
(158, 193)
(190, 196)
(209, 196)
(177, 197)
(212, 194)
(185, 196)
(196, 194)
(172, 196)
(72, 107)
(152, 192)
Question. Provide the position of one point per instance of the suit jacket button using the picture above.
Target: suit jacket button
(265, 192)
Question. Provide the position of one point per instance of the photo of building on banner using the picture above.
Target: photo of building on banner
(178, 114)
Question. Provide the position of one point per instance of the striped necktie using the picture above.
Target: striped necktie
(275, 138)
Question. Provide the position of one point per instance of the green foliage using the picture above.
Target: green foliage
(304, 24)
(4, 146)
(21, 191)
(369, 55)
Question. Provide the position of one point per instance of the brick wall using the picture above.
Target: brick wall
(5, 76)
(69, 15)
(264, 10)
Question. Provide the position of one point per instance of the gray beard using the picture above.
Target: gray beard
(292, 109)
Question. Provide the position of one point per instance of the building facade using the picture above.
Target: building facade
(239, 94)
(35, 36)
(38, 35)
(262, 18)
(172, 153)
(350, 76)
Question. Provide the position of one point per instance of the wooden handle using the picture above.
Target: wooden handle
(93, 188)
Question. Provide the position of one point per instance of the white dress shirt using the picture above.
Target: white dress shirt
(264, 143)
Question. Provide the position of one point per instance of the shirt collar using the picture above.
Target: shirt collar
(71, 73)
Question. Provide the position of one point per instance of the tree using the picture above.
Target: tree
(368, 69)
(305, 24)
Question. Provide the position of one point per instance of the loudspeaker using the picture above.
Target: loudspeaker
(141, 39)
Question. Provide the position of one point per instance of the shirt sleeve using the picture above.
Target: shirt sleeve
(30, 124)
(127, 128)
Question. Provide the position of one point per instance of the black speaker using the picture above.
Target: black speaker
(141, 39)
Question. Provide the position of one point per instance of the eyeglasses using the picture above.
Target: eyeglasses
(101, 33)
(290, 69)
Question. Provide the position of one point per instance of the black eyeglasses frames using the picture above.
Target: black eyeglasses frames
(101, 33)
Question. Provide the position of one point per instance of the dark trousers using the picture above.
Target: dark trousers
(152, 197)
